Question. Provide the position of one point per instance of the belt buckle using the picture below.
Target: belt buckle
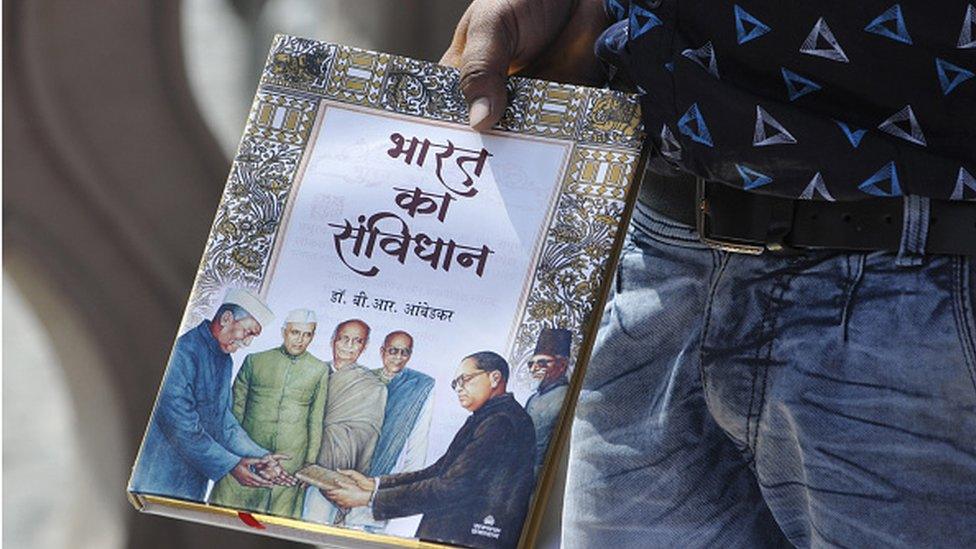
(702, 211)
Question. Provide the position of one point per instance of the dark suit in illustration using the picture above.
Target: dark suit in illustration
(478, 492)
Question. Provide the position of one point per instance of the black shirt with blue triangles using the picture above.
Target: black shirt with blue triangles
(828, 100)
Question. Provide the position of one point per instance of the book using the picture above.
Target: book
(393, 312)
(319, 477)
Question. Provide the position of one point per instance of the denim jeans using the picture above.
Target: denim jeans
(818, 400)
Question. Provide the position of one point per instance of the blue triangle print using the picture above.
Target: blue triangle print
(853, 135)
(641, 21)
(873, 184)
(792, 80)
(950, 75)
(899, 32)
(617, 9)
(751, 178)
(741, 18)
(968, 27)
(964, 182)
(698, 133)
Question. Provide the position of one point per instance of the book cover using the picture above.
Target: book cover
(392, 310)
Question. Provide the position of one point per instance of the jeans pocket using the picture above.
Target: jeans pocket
(635, 299)
(656, 282)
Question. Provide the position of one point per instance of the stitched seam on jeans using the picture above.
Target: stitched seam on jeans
(722, 264)
(765, 331)
(854, 277)
(962, 301)
(784, 284)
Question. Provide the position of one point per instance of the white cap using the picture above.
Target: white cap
(250, 303)
(301, 316)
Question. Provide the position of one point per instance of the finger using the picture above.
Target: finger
(452, 57)
(570, 58)
(256, 479)
(289, 479)
(353, 476)
(280, 457)
(487, 54)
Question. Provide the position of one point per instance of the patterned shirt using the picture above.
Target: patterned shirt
(829, 100)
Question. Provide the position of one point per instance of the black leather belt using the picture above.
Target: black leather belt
(734, 220)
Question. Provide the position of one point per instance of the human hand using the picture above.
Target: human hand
(245, 476)
(550, 39)
(360, 480)
(269, 467)
(349, 496)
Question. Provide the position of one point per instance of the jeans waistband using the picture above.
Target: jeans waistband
(651, 224)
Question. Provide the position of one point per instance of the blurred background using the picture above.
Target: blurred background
(120, 119)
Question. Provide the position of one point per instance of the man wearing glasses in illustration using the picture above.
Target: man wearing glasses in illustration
(548, 366)
(477, 493)
(403, 441)
(406, 423)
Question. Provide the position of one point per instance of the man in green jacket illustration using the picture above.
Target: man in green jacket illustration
(279, 398)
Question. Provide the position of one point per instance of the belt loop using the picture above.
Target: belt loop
(914, 232)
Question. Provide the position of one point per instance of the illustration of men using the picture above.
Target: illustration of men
(548, 365)
(192, 435)
(477, 493)
(279, 399)
(353, 415)
(402, 445)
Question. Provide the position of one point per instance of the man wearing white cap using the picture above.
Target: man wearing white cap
(192, 435)
(279, 398)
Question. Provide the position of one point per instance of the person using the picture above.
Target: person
(788, 354)
(279, 399)
(548, 365)
(353, 416)
(477, 493)
(192, 436)
(402, 445)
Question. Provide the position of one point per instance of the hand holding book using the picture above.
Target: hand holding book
(355, 489)
(497, 38)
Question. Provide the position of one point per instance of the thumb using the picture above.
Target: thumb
(484, 70)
